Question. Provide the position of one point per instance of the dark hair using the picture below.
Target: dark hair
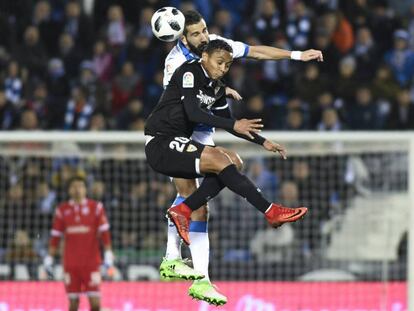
(191, 18)
(73, 179)
(217, 44)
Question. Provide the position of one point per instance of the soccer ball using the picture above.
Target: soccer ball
(167, 24)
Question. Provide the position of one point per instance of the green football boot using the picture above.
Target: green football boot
(177, 269)
(204, 290)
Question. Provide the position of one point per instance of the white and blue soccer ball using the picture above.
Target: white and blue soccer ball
(167, 24)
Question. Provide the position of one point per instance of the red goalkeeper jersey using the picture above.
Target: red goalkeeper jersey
(81, 226)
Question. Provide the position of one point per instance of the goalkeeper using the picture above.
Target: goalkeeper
(83, 224)
(194, 91)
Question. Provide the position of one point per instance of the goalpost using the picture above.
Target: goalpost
(351, 252)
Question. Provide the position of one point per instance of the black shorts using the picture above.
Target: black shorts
(174, 156)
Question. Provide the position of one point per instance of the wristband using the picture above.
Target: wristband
(296, 55)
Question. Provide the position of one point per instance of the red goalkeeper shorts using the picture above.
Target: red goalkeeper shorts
(82, 280)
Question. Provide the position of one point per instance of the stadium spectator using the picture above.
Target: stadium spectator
(402, 112)
(45, 199)
(347, 81)
(98, 92)
(130, 114)
(366, 54)
(265, 179)
(153, 92)
(330, 121)
(401, 58)
(141, 54)
(13, 84)
(363, 113)
(48, 28)
(294, 120)
(29, 121)
(116, 31)
(268, 21)
(102, 61)
(384, 86)
(83, 225)
(70, 54)
(299, 26)
(40, 104)
(8, 113)
(343, 35)
(78, 25)
(57, 79)
(312, 83)
(32, 54)
(127, 84)
(79, 110)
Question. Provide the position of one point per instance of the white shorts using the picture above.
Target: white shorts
(205, 138)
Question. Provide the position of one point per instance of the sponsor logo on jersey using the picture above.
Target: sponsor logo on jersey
(205, 99)
(188, 80)
(85, 210)
(191, 148)
(77, 229)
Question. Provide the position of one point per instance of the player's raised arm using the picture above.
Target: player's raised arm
(263, 52)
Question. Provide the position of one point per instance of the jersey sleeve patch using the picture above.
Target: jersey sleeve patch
(188, 80)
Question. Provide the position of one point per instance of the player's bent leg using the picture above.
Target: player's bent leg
(173, 267)
(212, 160)
(206, 291)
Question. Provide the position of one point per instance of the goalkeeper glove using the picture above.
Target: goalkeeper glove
(48, 266)
(108, 258)
(108, 264)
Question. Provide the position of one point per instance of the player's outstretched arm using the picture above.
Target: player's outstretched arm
(264, 52)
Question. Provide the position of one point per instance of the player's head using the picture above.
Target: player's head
(217, 58)
(195, 34)
(77, 188)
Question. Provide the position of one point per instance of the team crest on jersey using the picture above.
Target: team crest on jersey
(205, 99)
(188, 80)
(191, 148)
(85, 210)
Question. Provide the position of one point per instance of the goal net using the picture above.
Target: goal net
(349, 253)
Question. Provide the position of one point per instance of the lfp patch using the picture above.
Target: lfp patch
(188, 80)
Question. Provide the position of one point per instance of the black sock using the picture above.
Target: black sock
(242, 185)
(209, 188)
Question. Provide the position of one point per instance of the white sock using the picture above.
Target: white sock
(173, 239)
(173, 242)
(200, 247)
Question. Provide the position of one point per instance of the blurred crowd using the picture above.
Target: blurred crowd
(95, 65)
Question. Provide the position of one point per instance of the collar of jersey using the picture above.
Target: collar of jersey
(188, 55)
(72, 202)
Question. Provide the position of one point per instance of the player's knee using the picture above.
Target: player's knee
(220, 161)
(200, 214)
(235, 158)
